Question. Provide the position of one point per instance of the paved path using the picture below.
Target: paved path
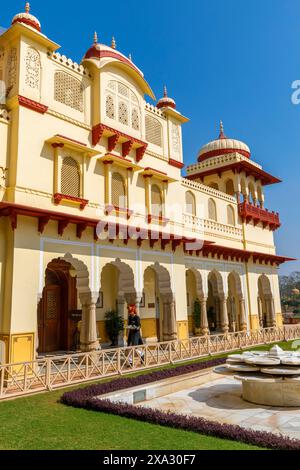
(220, 400)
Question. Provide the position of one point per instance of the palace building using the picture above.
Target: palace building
(95, 214)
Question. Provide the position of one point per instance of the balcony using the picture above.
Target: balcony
(249, 212)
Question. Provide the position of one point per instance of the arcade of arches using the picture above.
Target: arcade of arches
(70, 316)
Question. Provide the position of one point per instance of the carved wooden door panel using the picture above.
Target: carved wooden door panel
(52, 296)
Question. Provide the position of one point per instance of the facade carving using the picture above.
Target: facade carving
(33, 68)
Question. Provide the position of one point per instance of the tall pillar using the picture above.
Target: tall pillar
(217, 313)
(204, 319)
(243, 320)
(272, 313)
(224, 315)
(169, 319)
(88, 334)
(121, 312)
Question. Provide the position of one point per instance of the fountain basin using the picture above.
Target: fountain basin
(283, 392)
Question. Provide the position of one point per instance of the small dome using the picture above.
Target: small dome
(27, 18)
(222, 146)
(166, 101)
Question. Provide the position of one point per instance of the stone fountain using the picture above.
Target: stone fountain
(268, 378)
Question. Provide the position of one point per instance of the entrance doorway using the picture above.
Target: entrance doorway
(58, 316)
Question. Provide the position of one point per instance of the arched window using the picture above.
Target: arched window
(68, 90)
(118, 190)
(122, 104)
(230, 215)
(156, 201)
(70, 177)
(153, 130)
(33, 68)
(123, 113)
(110, 107)
(214, 186)
(190, 203)
(212, 210)
(230, 188)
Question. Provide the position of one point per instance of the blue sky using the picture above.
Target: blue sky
(221, 59)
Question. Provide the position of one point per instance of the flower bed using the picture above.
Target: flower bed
(85, 398)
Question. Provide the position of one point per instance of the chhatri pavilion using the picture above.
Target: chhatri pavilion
(95, 214)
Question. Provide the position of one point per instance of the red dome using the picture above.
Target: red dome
(166, 101)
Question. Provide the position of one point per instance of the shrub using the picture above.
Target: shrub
(87, 398)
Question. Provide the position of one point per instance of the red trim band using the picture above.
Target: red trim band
(33, 105)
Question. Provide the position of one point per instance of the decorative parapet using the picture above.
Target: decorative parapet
(222, 160)
(206, 189)
(249, 212)
(153, 109)
(206, 225)
(63, 60)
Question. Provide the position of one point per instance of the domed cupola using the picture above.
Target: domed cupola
(101, 51)
(223, 146)
(27, 18)
(166, 101)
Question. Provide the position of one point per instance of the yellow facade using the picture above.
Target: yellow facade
(74, 139)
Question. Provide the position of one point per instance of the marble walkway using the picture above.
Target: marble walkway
(220, 400)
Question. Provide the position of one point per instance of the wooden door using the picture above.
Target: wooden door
(51, 318)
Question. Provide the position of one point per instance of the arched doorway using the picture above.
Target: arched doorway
(216, 304)
(194, 290)
(159, 302)
(266, 310)
(116, 292)
(236, 304)
(57, 311)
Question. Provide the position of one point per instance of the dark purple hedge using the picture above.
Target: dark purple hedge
(84, 398)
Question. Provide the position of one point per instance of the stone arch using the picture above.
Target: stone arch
(194, 291)
(266, 308)
(236, 303)
(82, 273)
(126, 279)
(166, 307)
(216, 303)
(66, 280)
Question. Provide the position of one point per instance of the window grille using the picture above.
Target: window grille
(68, 90)
(118, 193)
(70, 177)
(153, 131)
(156, 201)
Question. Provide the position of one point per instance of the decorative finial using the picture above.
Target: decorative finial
(113, 43)
(27, 7)
(222, 135)
(165, 91)
(130, 57)
(95, 38)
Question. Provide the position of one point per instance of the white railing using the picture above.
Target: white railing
(206, 225)
(61, 371)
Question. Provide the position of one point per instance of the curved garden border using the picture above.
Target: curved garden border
(85, 398)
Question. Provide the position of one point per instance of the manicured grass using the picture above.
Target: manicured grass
(41, 422)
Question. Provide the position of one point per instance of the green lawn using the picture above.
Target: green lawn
(41, 422)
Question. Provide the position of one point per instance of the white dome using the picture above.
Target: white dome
(223, 145)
